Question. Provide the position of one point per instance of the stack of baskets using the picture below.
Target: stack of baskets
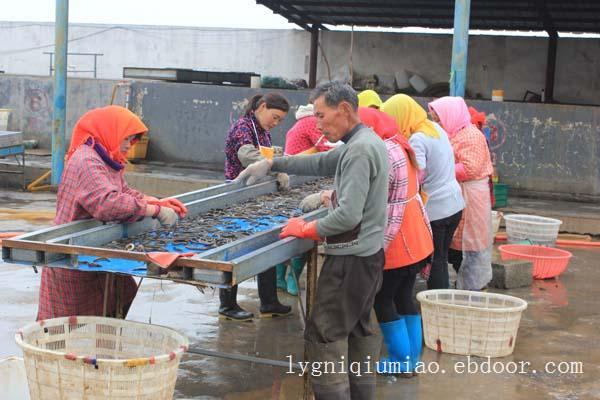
(470, 323)
(532, 238)
(100, 358)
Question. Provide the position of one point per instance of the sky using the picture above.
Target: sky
(197, 13)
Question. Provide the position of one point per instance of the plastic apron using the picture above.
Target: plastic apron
(474, 236)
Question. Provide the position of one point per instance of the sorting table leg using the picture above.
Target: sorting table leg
(311, 291)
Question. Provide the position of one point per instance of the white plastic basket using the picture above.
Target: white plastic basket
(100, 358)
(496, 219)
(470, 323)
(538, 230)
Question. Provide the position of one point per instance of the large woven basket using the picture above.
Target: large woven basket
(470, 323)
(100, 358)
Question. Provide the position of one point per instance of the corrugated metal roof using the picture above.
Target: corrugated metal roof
(534, 15)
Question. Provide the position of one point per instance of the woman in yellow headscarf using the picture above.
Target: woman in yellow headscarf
(435, 158)
(369, 98)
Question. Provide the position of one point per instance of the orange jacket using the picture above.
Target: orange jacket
(414, 241)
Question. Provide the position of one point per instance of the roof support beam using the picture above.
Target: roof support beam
(551, 67)
(551, 55)
(314, 47)
(460, 46)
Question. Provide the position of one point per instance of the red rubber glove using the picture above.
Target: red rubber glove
(460, 171)
(299, 228)
(175, 204)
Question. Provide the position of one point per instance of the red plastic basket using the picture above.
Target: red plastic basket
(548, 262)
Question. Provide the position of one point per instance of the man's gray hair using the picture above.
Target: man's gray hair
(334, 93)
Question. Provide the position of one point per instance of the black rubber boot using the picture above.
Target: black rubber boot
(329, 386)
(229, 307)
(363, 351)
(267, 291)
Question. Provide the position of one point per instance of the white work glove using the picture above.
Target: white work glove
(283, 181)
(311, 202)
(254, 172)
(247, 154)
(167, 216)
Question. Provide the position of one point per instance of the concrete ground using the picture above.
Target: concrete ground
(153, 178)
(559, 329)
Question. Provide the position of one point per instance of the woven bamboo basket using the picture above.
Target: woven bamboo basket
(100, 358)
(470, 323)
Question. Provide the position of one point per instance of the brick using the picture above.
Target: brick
(511, 274)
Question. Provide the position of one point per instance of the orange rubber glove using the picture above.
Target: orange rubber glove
(299, 228)
(175, 204)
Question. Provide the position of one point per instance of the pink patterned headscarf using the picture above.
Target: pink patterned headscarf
(453, 113)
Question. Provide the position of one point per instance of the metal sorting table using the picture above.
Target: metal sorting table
(11, 144)
(64, 246)
(72, 245)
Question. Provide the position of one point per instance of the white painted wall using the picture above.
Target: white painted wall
(268, 52)
(515, 64)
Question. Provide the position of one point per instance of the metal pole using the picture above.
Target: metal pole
(95, 64)
(460, 46)
(550, 66)
(311, 293)
(60, 89)
(314, 46)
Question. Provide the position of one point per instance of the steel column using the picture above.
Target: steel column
(314, 46)
(60, 89)
(550, 67)
(460, 46)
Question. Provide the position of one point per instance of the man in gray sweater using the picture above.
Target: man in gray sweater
(342, 327)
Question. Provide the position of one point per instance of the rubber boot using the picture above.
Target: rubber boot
(281, 283)
(296, 267)
(267, 291)
(364, 351)
(415, 336)
(398, 361)
(229, 307)
(330, 386)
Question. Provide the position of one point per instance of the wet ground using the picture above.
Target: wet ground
(559, 330)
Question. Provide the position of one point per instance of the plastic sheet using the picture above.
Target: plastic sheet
(476, 236)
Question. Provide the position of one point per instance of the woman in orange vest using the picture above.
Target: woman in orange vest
(408, 247)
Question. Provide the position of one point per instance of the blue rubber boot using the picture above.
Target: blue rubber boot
(281, 284)
(415, 336)
(395, 336)
(296, 267)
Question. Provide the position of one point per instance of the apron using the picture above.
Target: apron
(474, 236)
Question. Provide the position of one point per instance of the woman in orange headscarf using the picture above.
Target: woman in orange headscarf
(92, 186)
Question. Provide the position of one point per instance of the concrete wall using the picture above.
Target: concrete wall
(30, 99)
(268, 52)
(515, 64)
(189, 123)
(537, 147)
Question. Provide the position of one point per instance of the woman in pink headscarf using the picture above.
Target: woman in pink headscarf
(470, 251)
